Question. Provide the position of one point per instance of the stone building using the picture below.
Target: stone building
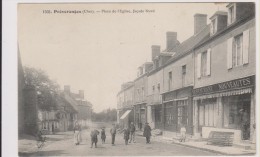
(207, 82)
(225, 68)
(155, 81)
(125, 104)
(82, 106)
(140, 95)
(178, 78)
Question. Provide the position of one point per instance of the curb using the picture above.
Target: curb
(206, 149)
(213, 151)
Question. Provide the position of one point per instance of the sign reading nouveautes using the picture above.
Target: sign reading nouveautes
(224, 86)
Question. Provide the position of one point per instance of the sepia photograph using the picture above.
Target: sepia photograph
(136, 79)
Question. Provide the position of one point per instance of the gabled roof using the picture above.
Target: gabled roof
(172, 50)
(61, 101)
(71, 101)
(187, 45)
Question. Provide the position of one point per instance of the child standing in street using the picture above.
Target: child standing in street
(103, 135)
(183, 133)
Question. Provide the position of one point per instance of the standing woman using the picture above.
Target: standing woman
(147, 132)
(77, 133)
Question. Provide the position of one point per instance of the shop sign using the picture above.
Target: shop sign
(225, 86)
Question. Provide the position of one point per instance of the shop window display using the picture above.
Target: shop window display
(237, 113)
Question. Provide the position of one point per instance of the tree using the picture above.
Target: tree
(108, 115)
(47, 90)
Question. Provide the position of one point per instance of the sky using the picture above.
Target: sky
(97, 52)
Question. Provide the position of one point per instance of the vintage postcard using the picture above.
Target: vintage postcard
(137, 79)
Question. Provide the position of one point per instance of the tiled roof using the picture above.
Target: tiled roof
(187, 45)
(71, 101)
(61, 101)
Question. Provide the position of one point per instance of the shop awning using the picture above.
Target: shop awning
(185, 98)
(125, 114)
(229, 93)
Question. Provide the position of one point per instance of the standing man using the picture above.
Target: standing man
(113, 134)
(132, 132)
(77, 130)
(147, 132)
(126, 135)
(94, 139)
(245, 124)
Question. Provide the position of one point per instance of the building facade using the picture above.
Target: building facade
(140, 95)
(225, 67)
(207, 82)
(125, 105)
(178, 79)
(81, 105)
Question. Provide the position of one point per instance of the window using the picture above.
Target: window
(183, 75)
(158, 114)
(208, 112)
(232, 105)
(170, 114)
(237, 51)
(169, 80)
(159, 88)
(182, 112)
(153, 89)
(231, 14)
(204, 63)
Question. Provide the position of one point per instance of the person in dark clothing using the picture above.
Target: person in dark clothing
(94, 139)
(103, 135)
(113, 134)
(147, 132)
(126, 135)
(132, 132)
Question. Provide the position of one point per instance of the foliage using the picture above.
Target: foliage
(46, 88)
(108, 115)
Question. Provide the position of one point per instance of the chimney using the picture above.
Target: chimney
(81, 94)
(200, 21)
(67, 89)
(171, 40)
(156, 49)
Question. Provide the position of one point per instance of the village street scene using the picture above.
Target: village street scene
(166, 79)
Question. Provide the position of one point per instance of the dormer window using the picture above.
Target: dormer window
(232, 13)
(218, 22)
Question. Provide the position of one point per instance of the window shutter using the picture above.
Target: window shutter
(211, 28)
(229, 17)
(245, 46)
(229, 53)
(208, 61)
(199, 65)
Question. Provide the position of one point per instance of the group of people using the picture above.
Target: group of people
(128, 132)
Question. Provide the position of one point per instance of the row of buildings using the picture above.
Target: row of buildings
(36, 113)
(206, 83)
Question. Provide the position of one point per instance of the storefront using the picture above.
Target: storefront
(126, 117)
(177, 107)
(157, 116)
(227, 106)
(140, 115)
